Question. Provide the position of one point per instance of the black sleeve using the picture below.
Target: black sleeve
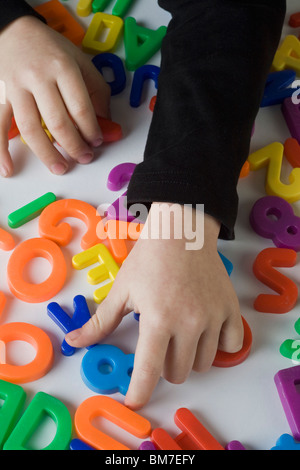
(216, 56)
(10, 10)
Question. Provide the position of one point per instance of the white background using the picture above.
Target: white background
(239, 403)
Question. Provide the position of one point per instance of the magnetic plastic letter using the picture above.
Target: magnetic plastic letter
(291, 349)
(224, 359)
(297, 326)
(78, 444)
(288, 54)
(108, 268)
(59, 19)
(99, 5)
(115, 63)
(2, 302)
(25, 252)
(2, 352)
(13, 131)
(286, 381)
(245, 170)
(14, 399)
(292, 152)
(146, 72)
(286, 442)
(118, 177)
(191, 426)
(120, 8)
(140, 43)
(194, 435)
(227, 263)
(235, 445)
(272, 156)
(115, 380)
(117, 232)
(30, 210)
(147, 445)
(115, 412)
(278, 88)
(118, 210)
(66, 323)
(111, 131)
(152, 103)
(61, 233)
(46, 130)
(163, 440)
(283, 229)
(84, 7)
(100, 21)
(7, 242)
(43, 360)
(294, 20)
(42, 404)
(291, 113)
(263, 269)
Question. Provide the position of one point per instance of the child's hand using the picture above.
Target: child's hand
(46, 75)
(188, 309)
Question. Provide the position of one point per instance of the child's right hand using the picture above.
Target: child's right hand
(188, 309)
(47, 75)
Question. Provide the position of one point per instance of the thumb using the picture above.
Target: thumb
(232, 334)
(108, 316)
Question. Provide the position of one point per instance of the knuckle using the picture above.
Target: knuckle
(61, 62)
(56, 123)
(95, 323)
(160, 322)
(33, 74)
(27, 127)
(80, 110)
(195, 322)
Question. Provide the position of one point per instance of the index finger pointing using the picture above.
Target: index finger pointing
(149, 360)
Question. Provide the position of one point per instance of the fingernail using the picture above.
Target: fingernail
(87, 158)
(58, 168)
(3, 171)
(98, 142)
(73, 335)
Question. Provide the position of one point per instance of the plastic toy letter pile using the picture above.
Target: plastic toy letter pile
(101, 28)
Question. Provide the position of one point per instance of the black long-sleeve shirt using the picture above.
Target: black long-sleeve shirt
(216, 56)
(10, 10)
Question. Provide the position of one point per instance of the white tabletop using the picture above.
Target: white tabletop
(239, 403)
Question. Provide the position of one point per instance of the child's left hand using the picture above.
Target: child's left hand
(48, 76)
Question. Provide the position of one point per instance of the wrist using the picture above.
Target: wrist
(182, 222)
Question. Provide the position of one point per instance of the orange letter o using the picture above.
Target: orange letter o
(23, 253)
